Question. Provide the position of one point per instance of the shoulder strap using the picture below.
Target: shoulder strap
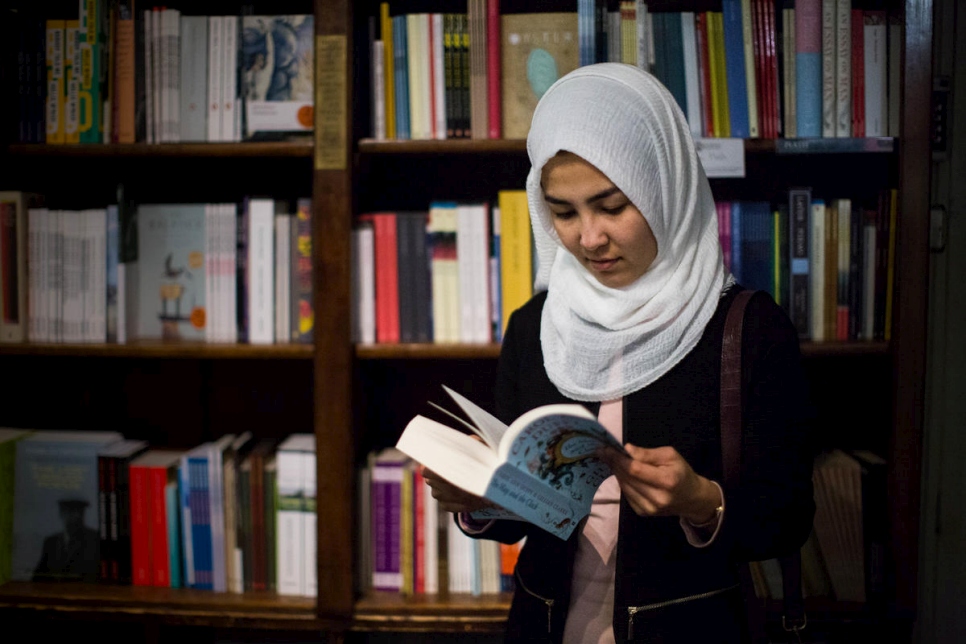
(793, 617)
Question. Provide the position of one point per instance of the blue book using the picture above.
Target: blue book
(758, 253)
(401, 71)
(171, 271)
(674, 59)
(55, 506)
(808, 68)
(734, 47)
(173, 513)
(737, 234)
(541, 468)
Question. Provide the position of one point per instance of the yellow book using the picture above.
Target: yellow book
(713, 75)
(718, 54)
(72, 71)
(747, 32)
(385, 23)
(55, 80)
(516, 262)
(406, 532)
(890, 263)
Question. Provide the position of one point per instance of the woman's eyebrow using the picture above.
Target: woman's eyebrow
(603, 194)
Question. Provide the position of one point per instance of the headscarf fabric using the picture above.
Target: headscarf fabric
(624, 122)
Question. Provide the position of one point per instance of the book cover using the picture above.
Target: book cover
(277, 71)
(541, 468)
(8, 455)
(171, 258)
(538, 48)
(55, 537)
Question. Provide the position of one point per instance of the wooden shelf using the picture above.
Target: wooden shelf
(492, 350)
(457, 613)
(160, 349)
(252, 149)
(511, 146)
(168, 605)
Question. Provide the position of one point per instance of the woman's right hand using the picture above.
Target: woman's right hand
(451, 498)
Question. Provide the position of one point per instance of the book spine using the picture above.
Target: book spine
(140, 527)
(808, 68)
(105, 567)
(816, 260)
(160, 565)
(734, 48)
(172, 506)
(799, 205)
(493, 68)
(303, 315)
(125, 72)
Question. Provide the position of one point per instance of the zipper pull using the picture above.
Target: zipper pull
(549, 603)
(631, 611)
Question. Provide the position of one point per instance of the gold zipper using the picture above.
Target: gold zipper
(634, 610)
(548, 602)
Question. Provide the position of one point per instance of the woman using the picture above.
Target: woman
(631, 324)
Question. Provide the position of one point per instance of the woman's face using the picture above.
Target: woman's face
(596, 222)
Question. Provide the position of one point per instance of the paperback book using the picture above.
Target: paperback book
(542, 468)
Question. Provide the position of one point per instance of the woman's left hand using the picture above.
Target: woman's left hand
(659, 482)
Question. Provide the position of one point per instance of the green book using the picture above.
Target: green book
(92, 37)
(8, 453)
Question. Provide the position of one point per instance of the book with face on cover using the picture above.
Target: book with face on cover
(542, 468)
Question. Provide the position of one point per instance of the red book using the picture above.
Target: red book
(771, 48)
(160, 561)
(858, 73)
(140, 527)
(387, 275)
(493, 69)
(419, 532)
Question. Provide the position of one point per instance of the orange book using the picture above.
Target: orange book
(124, 74)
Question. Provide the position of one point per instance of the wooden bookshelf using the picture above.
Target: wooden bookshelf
(160, 349)
(456, 613)
(252, 149)
(174, 606)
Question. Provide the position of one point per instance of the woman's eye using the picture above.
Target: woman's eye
(615, 210)
(565, 214)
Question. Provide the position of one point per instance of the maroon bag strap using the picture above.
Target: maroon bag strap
(793, 617)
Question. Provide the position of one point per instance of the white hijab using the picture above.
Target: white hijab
(625, 123)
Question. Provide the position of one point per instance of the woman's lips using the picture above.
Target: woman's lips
(602, 264)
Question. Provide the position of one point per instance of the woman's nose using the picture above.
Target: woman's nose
(592, 235)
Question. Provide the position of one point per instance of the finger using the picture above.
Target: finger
(653, 455)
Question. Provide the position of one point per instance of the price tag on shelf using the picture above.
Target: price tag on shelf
(722, 157)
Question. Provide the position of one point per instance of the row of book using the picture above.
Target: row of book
(845, 556)
(828, 262)
(454, 272)
(756, 68)
(221, 272)
(235, 514)
(409, 546)
(113, 72)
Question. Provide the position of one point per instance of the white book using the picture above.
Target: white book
(261, 265)
(377, 83)
(36, 258)
(466, 267)
(283, 291)
(692, 90)
(158, 74)
(213, 312)
(309, 521)
(816, 262)
(363, 285)
(229, 215)
(172, 38)
(439, 76)
(55, 262)
(431, 542)
(193, 111)
(843, 68)
(229, 69)
(97, 218)
(875, 65)
(122, 303)
(291, 517)
(751, 83)
(215, 63)
(829, 94)
(72, 302)
(148, 71)
(216, 499)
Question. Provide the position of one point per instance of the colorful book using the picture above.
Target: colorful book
(541, 468)
(171, 257)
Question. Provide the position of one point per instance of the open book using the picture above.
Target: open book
(541, 468)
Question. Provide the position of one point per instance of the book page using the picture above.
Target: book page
(491, 429)
(460, 459)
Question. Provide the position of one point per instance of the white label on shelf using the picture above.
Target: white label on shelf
(722, 157)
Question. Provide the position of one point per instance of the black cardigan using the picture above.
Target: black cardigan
(770, 513)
